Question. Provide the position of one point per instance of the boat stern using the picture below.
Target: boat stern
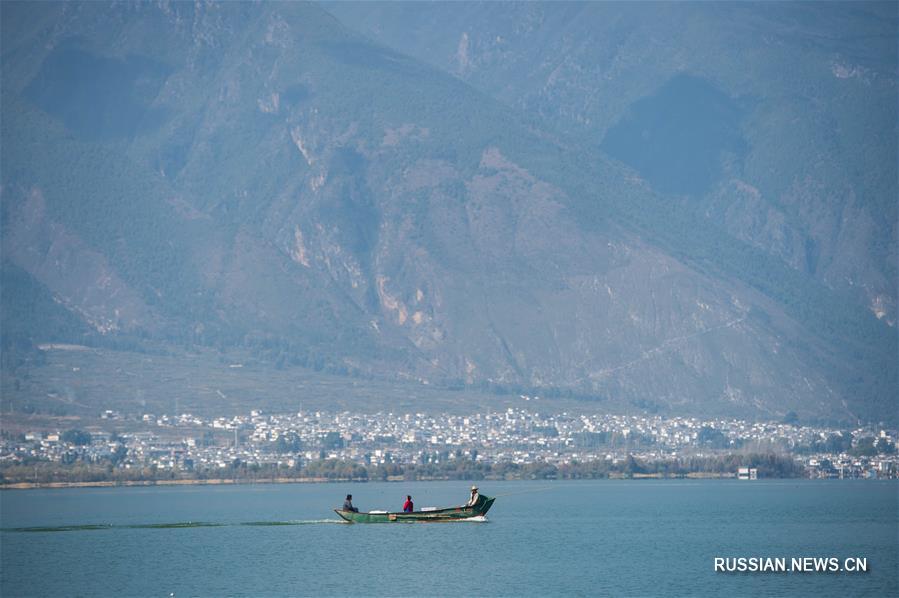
(345, 515)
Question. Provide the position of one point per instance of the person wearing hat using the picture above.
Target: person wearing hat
(348, 504)
(474, 497)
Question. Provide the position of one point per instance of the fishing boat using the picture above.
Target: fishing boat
(426, 515)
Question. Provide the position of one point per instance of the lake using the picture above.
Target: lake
(615, 537)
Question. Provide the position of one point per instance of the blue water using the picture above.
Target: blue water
(634, 538)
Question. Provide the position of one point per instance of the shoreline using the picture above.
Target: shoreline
(319, 480)
(144, 483)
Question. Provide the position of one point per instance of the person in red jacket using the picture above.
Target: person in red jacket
(408, 506)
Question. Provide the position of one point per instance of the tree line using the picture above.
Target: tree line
(768, 465)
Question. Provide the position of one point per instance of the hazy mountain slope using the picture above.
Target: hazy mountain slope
(261, 177)
(778, 121)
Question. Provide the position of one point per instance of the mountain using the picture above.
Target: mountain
(264, 178)
(776, 122)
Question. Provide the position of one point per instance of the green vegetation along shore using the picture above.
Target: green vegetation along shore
(54, 475)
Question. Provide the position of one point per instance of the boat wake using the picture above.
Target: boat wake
(478, 519)
(293, 522)
(90, 527)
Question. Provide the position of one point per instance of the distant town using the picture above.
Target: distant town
(510, 444)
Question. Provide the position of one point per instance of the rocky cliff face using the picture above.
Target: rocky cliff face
(263, 177)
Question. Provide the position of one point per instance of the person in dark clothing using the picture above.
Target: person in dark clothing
(348, 504)
(408, 506)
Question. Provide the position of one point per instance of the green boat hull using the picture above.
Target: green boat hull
(479, 509)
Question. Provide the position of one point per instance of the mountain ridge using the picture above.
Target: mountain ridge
(329, 203)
